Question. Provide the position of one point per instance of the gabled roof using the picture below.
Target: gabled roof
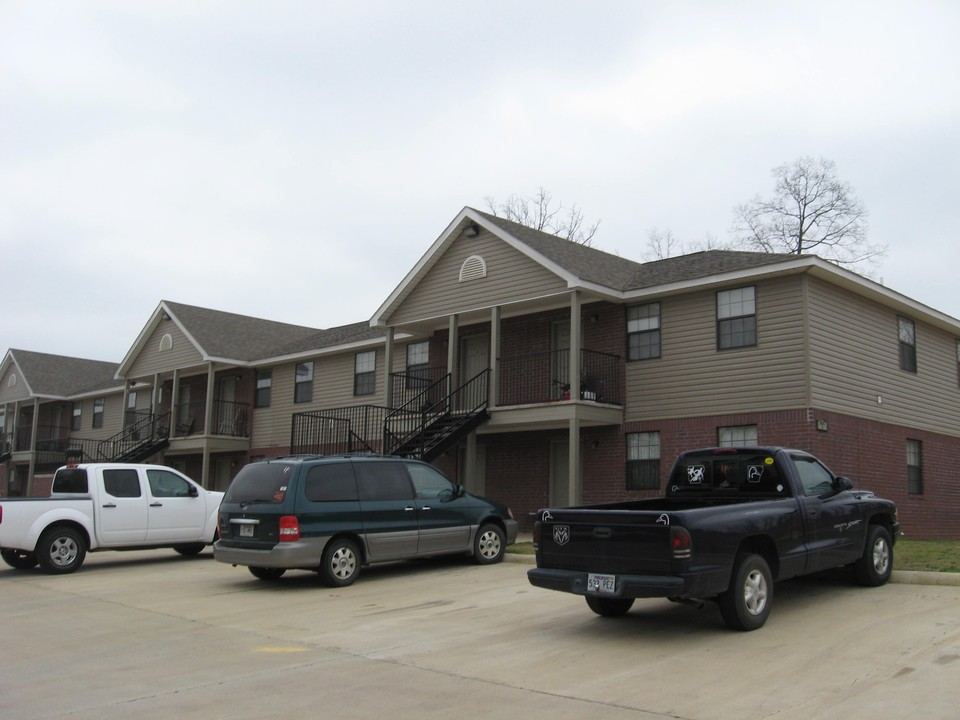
(56, 376)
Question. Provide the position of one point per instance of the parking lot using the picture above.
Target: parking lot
(151, 634)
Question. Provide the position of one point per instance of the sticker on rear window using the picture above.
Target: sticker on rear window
(695, 474)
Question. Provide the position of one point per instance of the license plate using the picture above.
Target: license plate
(603, 584)
(246, 531)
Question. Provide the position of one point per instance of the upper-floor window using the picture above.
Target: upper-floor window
(365, 373)
(914, 467)
(261, 397)
(303, 383)
(130, 416)
(98, 413)
(76, 418)
(958, 362)
(908, 344)
(643, 331)
(643, 461)
(737, 436)
(418, 362)
(736, 318)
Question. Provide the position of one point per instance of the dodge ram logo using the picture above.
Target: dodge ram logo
(561, 534)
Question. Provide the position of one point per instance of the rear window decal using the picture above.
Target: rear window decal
(695, 474)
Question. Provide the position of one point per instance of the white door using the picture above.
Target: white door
(122, 513)
(175, 514)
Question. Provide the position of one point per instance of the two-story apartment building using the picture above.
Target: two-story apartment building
(543, 372)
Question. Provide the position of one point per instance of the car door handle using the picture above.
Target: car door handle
(156, 504)
(409, 508)
(110, 505)
(425, 507)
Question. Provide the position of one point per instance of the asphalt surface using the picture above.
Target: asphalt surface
(154, 635)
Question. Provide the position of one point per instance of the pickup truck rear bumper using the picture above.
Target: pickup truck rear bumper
(628, 586)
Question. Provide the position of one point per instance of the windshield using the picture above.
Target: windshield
(264, 482)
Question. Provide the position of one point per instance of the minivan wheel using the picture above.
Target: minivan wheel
(489, 545)
(266, 573)
(341, 563)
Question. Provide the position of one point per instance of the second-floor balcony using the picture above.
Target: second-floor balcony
(544, 377)
(228, 418)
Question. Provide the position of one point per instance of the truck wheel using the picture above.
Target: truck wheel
(189, 550)
(875, 565)
(19, 559)
(489, 544)
(341, 563)
(266, 573)
(609, 607)
(746, 603)
(61, 550)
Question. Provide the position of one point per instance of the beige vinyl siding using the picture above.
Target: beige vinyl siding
(182, 354)
(855, 359)
(332, 388)
(511, 277)
(114, 409)
(693, 378)
(12, 393)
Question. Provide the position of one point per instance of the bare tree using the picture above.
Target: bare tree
(663, 244)
(811, 211)
(539, 213)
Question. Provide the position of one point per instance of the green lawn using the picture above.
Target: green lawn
(932, 555)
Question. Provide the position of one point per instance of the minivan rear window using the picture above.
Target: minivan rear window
(330, 482)
(260, 483)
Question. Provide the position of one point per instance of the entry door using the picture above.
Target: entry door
(226, 414)
(474, 359)
(560, 359)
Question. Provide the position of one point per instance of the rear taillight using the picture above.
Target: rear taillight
(536, 533)
(289, 528)
(680, 543)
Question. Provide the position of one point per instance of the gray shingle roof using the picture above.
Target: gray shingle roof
(59, 376)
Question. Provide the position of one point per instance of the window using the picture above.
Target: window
(643, 461)
(814, 477)
(75, 420)
(737, 436)
(365, 373)
(418, 362)
(914, 467)
(736, 318)
(383, 481)
(130, 417)
(166, 484)
(331, 482)
(643, 331)
(303, 383)
(264, 386)
(908, 344)
(430, 484)
(98, 413)
(121, 483)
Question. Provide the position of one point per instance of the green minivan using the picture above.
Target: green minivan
(334, 515)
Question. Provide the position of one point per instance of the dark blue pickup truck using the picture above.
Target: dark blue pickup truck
(733, 521)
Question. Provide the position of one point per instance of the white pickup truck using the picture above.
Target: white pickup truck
(107, 506)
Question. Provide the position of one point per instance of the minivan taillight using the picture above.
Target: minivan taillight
(680, 542)
(289, 528)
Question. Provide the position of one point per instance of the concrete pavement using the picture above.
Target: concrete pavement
(150, 634)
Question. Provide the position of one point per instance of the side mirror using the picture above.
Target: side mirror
(193, 492)
(843, 483)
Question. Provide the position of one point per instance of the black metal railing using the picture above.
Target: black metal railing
(357, 428)
(6, 444)
(544, 377)
(130, 444)
(231, 418)
(411, 384)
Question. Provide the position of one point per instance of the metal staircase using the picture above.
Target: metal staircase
(134, 443)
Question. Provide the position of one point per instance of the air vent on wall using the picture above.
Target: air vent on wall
(166, 342)
(473, 268)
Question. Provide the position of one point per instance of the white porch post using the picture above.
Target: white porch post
(494, 384)
(576, 475)
(388, 367)
(453, 351)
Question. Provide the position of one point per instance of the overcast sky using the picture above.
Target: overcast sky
(293, 160)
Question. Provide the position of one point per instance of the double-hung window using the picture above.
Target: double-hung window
(365, 373)
(418, 361)
(908, 344)
(303, 383)
(914, 467)
(736, 318)
(737, 436)
(76, 418)
(264, 390)
(643, 331)
(643, 461)
(98, 413)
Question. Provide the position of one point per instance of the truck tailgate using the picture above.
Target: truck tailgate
(605, 541)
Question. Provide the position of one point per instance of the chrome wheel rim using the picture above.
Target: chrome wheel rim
(489, 544)
(755, 592)
(881, 556)
(63, 551)
(343, 563)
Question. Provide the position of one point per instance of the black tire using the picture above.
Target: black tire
(746, 603)
(19, 559)
(489, 544)
(876, 564)
(61, 550)
(609, 607)
(266, 573)
(190, 550)
(341, 563)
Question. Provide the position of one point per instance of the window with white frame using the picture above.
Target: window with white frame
(643, 331)
(98, 405)
(262, 396)
(914, 467)
(76, 418)
(737, 436)
(418, 363)
(303, 383)
(736, 318)
(907, 331)
(643, 461)
(365, 373)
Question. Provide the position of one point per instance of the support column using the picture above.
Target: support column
(388, 368)
(208, 427)
(494, 384)
(469, 479)
(453, 351)
(575, 488)
(575, 343)
(34, 431)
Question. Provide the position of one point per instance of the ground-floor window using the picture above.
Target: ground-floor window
(737, 435)
(914, 467)
(643, 461)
